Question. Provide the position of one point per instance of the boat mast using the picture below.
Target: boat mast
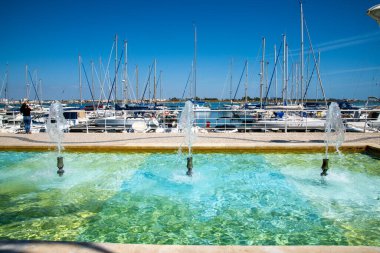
(137, 82)
(283, 69)
(80, 78)
(36, 84)
(246, 81)
(149, 85)
(115, 68)
(266, 81)
(302, 56)
(286, 69)
(159, 78)
(125, 74)
(155, 83)
(275, 74)
(40, 88)
(100, 80)
(262, 74)
(6, 91)
(231, 80)
(297, 85)
(293, 86)
(195, 63)
(26, 82)
(191, 88)
(316, 86)
(92, 78)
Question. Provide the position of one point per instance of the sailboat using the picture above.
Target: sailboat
(287, 116)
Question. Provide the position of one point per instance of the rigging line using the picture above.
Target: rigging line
(187, 82)
(157, 82)
(34, 87)
(271, 79)
(131, 88)
(147, 82)
(2, 86)
(110, 83)
(89, 87)
(258, 53)
(97, 76)
(225, 84)
(316, 63)
(241, 77)
(114, 80)
(107, 75)
(102, 93)
(308, 83)
(109, 58)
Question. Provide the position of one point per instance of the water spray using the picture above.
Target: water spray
(334, 133)
(186, 123)
(55, 127)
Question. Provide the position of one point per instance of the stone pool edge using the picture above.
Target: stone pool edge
(371, 148)
(83, 247)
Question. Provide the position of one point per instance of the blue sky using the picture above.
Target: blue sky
(49, 35)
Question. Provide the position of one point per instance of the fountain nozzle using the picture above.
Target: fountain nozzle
(60, 166)
(325, 167)
(189, 166)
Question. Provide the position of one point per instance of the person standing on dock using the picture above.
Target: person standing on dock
(25, 110)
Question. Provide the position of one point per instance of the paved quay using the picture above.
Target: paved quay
(169, 141)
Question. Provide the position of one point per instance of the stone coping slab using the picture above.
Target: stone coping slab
(167, 141)
(83, 247)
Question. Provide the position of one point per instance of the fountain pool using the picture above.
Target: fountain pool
(231, 199)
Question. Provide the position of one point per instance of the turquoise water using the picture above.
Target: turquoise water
(232, 199)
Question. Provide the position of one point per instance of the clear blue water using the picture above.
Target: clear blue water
(232, 199)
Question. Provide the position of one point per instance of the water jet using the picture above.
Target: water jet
(334, 133)
(55, 126)
(186, 126)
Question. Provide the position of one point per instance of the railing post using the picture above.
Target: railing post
(286, 121)
(164, 119)
(306, 122)
(125, 117)
(365, 122)
(245, 120)
(105, 123)
(265, 126)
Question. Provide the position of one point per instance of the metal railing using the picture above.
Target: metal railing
(247, 120)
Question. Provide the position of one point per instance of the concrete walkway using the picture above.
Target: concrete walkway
(212, 141)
